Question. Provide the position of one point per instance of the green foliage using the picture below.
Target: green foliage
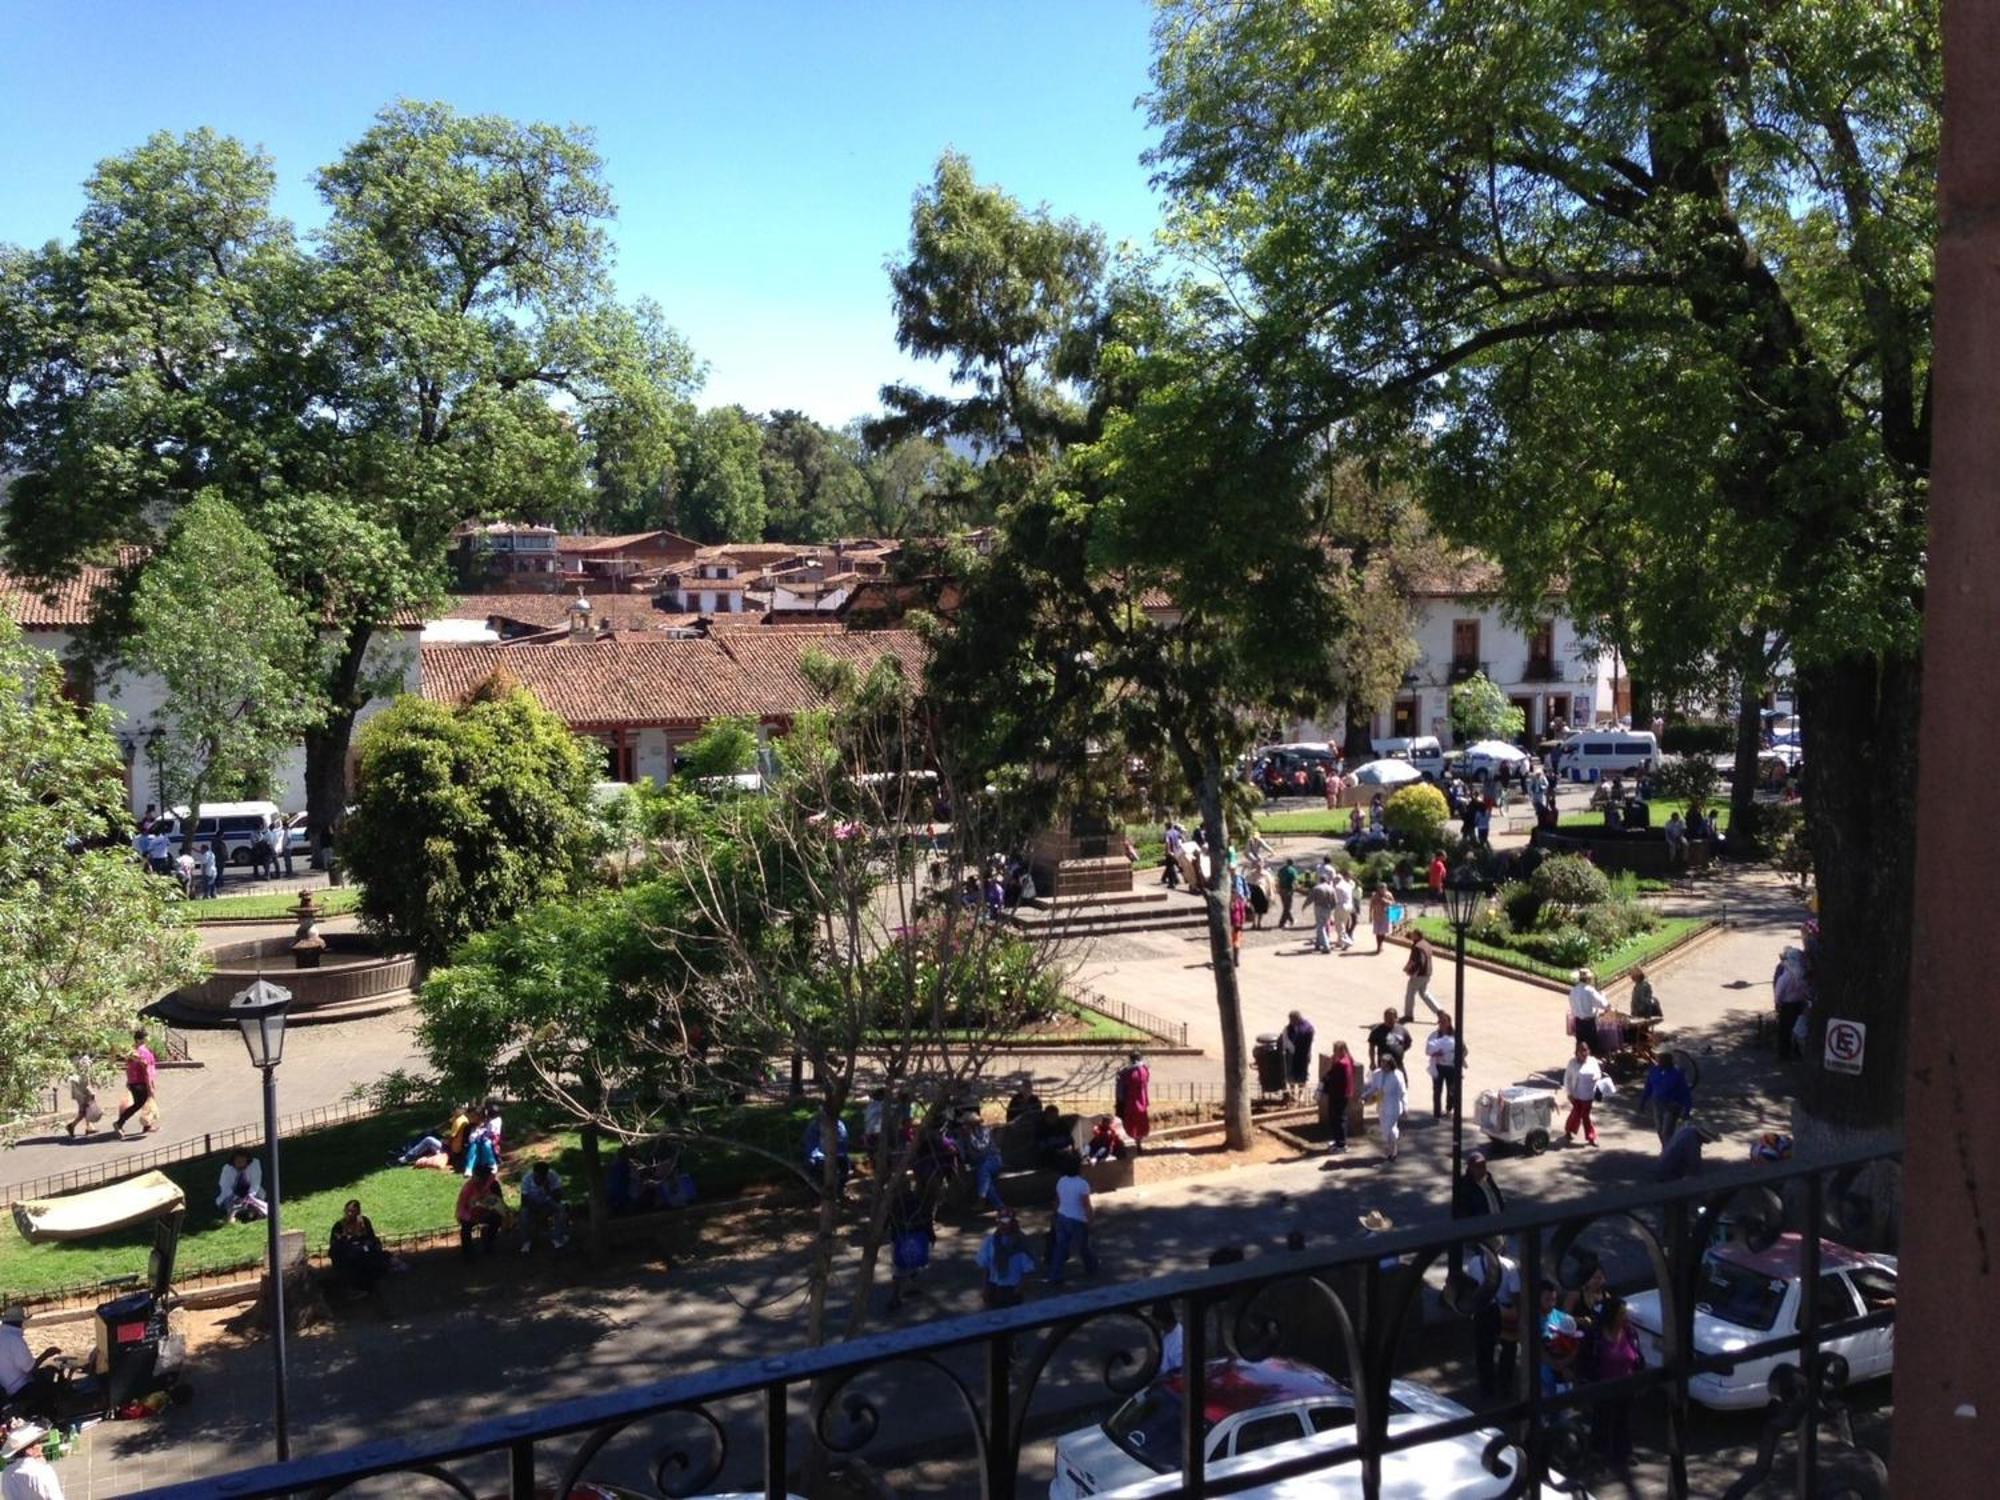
(1698, 739)
(86, 936)
(973, 986)
(814, 486)
(719, 491)
(1522, 903)
(1492, 925)
(1481, 711)
(727, 747)
(1785, 836)
(466, 816)
(1692, 779)
(1567, 947)
(1568, 883)
(229, 643)
(1417, 813)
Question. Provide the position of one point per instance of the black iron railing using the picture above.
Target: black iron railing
(756, 1423)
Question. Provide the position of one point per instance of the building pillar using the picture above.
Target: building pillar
(1947, 1423)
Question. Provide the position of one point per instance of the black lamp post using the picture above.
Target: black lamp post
(260, 1013)
(1463, 893)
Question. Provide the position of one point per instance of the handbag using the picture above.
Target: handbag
(93, 1112)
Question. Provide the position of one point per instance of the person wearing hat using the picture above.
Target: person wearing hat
(1133, 1098)
(1005, 1259)
(1586, 1004)
(1681, 1155)
(29, 1475)
(23, 1378)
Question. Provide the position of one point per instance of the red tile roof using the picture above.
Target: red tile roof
(69, 604)
(548, 611)
(599, 544)
(625, 681)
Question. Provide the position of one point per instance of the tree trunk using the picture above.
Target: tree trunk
(1356, 739)
(1228, 995)
(1744, 834)
(597, 1241)
(326, 781)
(1860, 715)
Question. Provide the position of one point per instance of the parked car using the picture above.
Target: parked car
(235, 826)
(1747, 1295)
(1599, 754)
(1260, 1412)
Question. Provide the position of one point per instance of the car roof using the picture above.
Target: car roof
(1785, 1255)
(1234, 1385)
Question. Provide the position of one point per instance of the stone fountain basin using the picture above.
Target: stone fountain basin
(354, 978)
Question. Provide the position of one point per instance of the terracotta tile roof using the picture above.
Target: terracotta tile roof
(548, 611)
(69, 604)
(755, 553)
(624, 681)
(595, 544)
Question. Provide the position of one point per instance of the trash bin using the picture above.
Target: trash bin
(1270, 1064)
(128, 1345)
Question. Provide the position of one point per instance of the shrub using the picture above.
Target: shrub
(1417, 815)
(1521, 903)
(1492, 926)
(1693, 779)
(1378, 868)
(1569, 883)
(1568, 947)
(1698, 739)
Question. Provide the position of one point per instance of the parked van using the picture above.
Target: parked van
(232, 825)
(1422, 751)
(1593, 754)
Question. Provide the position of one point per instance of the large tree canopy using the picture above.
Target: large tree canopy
(1481, 220)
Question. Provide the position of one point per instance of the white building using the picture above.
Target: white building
(54, 619)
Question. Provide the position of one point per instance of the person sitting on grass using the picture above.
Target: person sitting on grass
(542, 1209)
(482, 1147)
(354, 1250)
(447, 1141)
(482, 1209)
(629, 1187)
(240, 1193)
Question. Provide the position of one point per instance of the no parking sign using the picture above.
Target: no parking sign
(1846, 1044)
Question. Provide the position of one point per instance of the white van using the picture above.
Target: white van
(234, 826)
(1423, 751)
(1594, 754)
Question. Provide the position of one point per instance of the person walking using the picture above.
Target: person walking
(1668, 1095)
(1496, 1320)
(1617, 1356)
(1477, 1194)
(1586, 1004)
(1349, 894)
(1419, 967)
(1325, 904)
(1295, 1042)
(1070, 1228)
(1336, 1087)
(1388, 1043)
(211, 872)
(1132, 1097)
(1378, 914)
(1239, 913)
(142, 1071)
(1006, 1262)
(1288, 886)
(1580, 1081)
(83, 1094)
(1447, 1060)
(1386, 1086)
(1172, 838)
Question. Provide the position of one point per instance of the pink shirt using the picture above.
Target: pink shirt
(141, 1066)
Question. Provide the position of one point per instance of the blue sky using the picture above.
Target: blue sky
(763, 153)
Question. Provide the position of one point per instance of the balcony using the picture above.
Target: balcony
(1463, 667)
(1542, 669)
(963, 1387)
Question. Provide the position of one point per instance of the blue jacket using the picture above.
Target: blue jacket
(1666, 1085)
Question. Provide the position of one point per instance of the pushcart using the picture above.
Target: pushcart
(1518, 1116)
(1627, 1042)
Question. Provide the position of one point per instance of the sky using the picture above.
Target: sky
(763, 154)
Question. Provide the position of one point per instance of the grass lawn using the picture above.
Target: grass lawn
(322, 1170)
(336, 901)
(1634, 951)
(1307, 822)
(1662, 808)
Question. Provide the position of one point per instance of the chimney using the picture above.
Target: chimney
(579, 618)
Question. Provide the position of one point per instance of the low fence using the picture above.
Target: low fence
(1173, 1033)
(206, 1144)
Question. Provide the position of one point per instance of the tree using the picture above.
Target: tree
(466, 816)
(1436, 217)
(1480, 711)
(1417, 814)
(1131, 457)
(719, 490)
(814, 490)
(212, 621)
(727, 747)
(919, 487)
(450, 346)
(87, 935)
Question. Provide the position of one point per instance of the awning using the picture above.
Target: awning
(81, 1216)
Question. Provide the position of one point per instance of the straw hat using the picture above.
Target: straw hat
(1377, 1222)
(20, 1439)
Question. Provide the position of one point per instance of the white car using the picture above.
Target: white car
(1484, 759)
(1747, 1295)
(1268, 1411)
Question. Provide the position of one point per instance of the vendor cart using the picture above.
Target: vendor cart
(137, 1359)
(1627, 1043)
(1518, 1116)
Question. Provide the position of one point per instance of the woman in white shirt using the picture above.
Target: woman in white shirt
(1446, 1059)
(1387, 1088)
(1586, 1004)
(240, 1193)
(1580, 1082)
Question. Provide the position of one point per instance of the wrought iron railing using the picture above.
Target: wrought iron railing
(758, 1422)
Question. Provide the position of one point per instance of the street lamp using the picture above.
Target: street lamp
(1463, 893)
(260, 1014)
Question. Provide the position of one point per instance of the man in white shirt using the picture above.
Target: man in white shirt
(1494, 1316)
(1580, 1081)
(1586, 1004)
(19, 1371)
(542, 1208)
(1070, 1229)
(29, 1475)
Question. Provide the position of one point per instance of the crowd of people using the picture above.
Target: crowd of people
(201, 869)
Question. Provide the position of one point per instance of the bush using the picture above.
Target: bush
(1568, 947)
(1692, 779)
(1569, 883)
(1417, 815)
(1492, 926)
(1521, 903)
(1378, 868)
(1699, 739)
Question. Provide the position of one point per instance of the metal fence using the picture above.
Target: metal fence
(1173, 1033)
(206, 1144)
(1348, 1312)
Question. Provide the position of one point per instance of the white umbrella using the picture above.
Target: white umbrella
(1496, 750)
(1387, 773)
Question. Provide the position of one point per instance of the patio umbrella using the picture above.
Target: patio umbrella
(1387, 773)
(1496, 750)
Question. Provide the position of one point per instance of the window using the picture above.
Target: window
(1148, 1427)
(1542, 642)
(1464, 640)
(1736, 1294)
(1601, 747)
(1835, 1300)
(1266, 1432)
(618, 760)
(1327, 1418)
(1877, 1288)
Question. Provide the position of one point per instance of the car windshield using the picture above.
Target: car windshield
(1739, 1295)
(1149, 1428)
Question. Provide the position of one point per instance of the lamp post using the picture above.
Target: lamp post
(1462, 894)
(260, 1013)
